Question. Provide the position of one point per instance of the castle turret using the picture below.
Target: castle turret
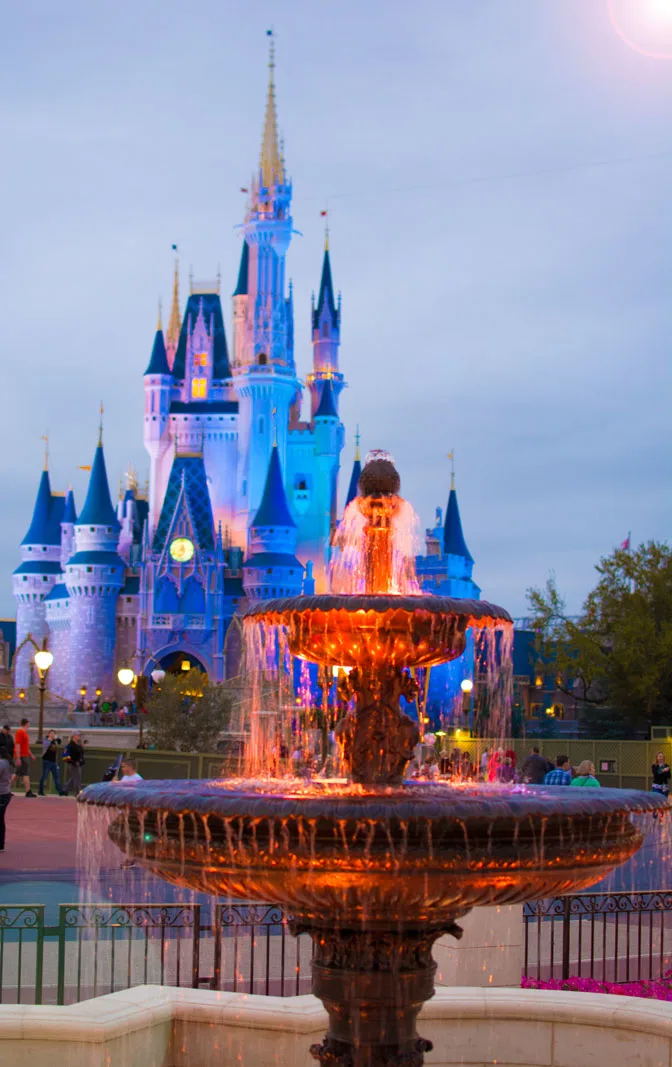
(158, 381)
(36, 576)
(326, 336)
(68, 528)
(93, 576)
(272, 569)
(329, 436)
(353, 487)
(264, 375)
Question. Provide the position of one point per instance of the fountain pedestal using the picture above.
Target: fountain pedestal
(373, 984)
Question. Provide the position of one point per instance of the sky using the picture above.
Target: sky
(497, 175)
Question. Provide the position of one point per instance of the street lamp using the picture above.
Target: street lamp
(125, 675)
(466, 685)
(158, 675)
(43, 661)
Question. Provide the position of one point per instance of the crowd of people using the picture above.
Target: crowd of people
(108, 712)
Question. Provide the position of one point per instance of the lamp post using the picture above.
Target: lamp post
(43, 661)
(466, 685)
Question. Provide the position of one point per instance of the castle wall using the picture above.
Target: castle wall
(93, 631)
(59, 645)
(30, 619)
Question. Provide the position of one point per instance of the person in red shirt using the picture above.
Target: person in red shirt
(22, 755)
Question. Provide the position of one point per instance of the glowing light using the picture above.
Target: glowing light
(466, 685)
(643, 25)
(43, 660)
(158, 675)
(185, 665)
(125, 675)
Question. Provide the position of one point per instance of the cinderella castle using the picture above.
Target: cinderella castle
(242, 493)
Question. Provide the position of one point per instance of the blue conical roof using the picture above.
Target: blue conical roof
(327, 406)
(69, 513)
(53, 531)
(98, 509)
(273, 510)
(241, 285)
(353, 488)
(326, 295)
(158, 363)
(38, 529)
(453, 538)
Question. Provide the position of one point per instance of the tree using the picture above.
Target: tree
(187, 713)
(618, 652)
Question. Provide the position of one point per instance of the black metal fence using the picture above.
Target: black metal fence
(612, 937)
(102, 948)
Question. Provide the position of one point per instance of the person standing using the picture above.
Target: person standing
(74, 758)
(7, 741)
(535, 767)
(49, 764)
(585, 776)
(5, 791)
(23, 756)
(561, 775)
(661, 775)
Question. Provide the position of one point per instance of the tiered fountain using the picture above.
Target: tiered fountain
(373, 868)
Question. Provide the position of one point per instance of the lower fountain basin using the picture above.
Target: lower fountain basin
(332, 853)
(378, 629)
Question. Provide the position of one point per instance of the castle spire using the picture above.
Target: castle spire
(271, 167)
(159, 324)
(98, 509)
(174, 323)
(453, 537)
(45, 438)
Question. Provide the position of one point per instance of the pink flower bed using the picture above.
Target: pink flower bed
(658, 989)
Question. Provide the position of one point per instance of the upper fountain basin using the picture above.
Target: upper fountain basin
(377, 629)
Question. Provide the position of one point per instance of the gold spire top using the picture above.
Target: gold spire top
(45, 438)
(274, 416)
(451, 457)
(100, 426)
(174, 323)
(271, 165)
(159, 324)
(357, 455)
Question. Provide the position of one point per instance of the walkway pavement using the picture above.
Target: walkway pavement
(41, 835)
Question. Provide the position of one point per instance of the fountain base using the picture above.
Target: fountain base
(373, 984)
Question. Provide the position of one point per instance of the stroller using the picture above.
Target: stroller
(113, 770)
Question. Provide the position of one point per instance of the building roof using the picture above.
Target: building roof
(104, 559)
(212, 308)
(59, 592)
(453, 538)
(327, 407)
(56, 512)
(187, 471)
(273, 559)
(204, 407)
(98, 509)
(353, 488)
(69, 512)
(158, 362)
(326, 296)
(39, 566)
(273, 510)
(241, 284)
(37, 531)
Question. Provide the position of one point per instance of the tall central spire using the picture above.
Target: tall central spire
(271, 166)
(174, 323)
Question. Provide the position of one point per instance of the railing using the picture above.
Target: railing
(102, 948)
(612, 937)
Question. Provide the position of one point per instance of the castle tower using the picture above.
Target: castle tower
(326, 337)
(68, 528)
(353, 488)
(158, 381)
(93, 576)
(329, 437)
(175, 321)
(36, 576)
(264, 375)
(272, 569)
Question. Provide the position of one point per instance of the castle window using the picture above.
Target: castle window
(45, 578)
(198, 388)
(89, 570)
(302, 485)
(261, 424)
(262, 359)
(325, 329)
(44, 548)
(201, 359)
(92, 529)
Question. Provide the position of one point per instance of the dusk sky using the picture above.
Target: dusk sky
(498, 176)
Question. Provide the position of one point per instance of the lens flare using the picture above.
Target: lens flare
(644, 25)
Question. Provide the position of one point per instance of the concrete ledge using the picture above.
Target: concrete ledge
(159, 1027)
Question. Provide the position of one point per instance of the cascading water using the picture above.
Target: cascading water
(375, 869)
